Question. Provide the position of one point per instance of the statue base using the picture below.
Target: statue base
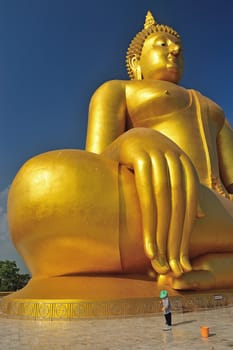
(77, 297)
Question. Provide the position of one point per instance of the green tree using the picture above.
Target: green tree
(22, 280)
(10, 278)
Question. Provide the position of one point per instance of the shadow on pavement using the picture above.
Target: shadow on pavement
(183, 322)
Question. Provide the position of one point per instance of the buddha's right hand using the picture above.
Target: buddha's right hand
(167, 186)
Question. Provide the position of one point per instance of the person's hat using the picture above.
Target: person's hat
(163, 294)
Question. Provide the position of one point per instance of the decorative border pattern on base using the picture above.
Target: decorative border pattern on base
(79, 309)
(69, 309)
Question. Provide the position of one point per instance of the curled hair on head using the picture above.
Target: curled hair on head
(136, 45)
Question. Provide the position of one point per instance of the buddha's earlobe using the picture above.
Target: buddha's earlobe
(136, 68)
(138, 74)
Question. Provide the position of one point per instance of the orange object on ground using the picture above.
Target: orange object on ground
(204, 331)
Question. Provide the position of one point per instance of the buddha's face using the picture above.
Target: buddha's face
(161, 58)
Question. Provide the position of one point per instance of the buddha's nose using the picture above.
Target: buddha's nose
(175, 49)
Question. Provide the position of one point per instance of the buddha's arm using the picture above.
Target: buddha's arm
(167, 187)
(107, 115)
(225, 150)
(165, 179)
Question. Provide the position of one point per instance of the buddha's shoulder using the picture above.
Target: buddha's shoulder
(113, 84)
(110, 89)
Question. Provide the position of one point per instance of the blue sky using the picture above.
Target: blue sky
(55, 53)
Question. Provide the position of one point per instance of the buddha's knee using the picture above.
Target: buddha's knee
(60, 206)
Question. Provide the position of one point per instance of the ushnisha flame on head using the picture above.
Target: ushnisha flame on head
(136, 45)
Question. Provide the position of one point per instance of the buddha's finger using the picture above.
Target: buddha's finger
(144, 185)
(178, 205)
(191, 192)
(162, 197)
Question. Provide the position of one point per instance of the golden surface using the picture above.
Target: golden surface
(102, 297)
(152, 190)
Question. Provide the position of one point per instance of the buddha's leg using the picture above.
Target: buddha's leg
(68, 214)
(75, 212)
(211, 246)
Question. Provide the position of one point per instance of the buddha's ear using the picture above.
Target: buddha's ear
(136, 68)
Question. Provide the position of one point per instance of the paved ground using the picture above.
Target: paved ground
(142, 333)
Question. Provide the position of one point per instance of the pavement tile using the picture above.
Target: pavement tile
(136, 333)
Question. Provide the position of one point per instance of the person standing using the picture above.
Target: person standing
(166, 308)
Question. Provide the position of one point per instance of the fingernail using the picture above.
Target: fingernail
(161, 269)
(176, 267)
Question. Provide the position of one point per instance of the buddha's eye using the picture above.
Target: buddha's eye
(161, 43)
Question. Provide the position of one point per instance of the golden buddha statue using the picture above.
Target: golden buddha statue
(152, 190)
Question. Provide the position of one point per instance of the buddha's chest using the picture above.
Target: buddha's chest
(149, 100)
